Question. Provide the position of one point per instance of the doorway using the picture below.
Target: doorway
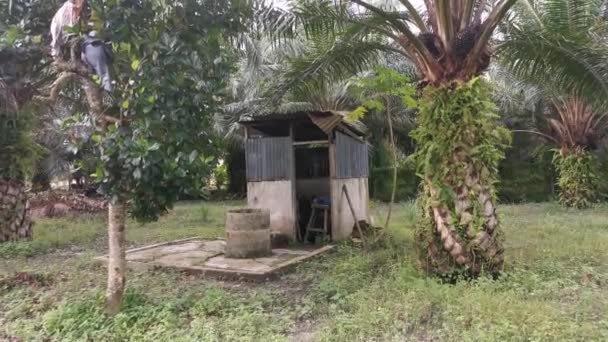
(312, 182)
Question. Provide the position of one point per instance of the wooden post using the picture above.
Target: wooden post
(292, 178)
(333, 192)
(352, 210)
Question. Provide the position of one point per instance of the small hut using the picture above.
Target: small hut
(295, 159)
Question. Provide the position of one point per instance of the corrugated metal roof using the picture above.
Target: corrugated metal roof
(327, 121)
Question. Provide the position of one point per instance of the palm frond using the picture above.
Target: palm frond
(489, 25)
(415, 15)
(577, 125)
(571, 65)
(329, 61)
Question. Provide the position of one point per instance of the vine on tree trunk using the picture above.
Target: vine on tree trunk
(578, 177)
(460, 145)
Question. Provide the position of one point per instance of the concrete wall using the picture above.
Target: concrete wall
(342, 218)
(276, 196)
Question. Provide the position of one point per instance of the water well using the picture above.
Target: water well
(248, 233)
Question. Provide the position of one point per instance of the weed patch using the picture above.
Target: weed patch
(554, 287)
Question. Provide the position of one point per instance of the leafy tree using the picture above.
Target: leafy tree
(171, 67)
(458, 140)
(385, 92)
(153, 135)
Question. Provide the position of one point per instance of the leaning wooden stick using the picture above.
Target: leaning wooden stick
(394, 150)
(352, 210)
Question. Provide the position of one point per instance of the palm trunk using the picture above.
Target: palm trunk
(15, 222)
(116, 256)
(459, 148)
(456, 242)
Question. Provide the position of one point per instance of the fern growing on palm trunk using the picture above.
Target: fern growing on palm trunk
(578, 178)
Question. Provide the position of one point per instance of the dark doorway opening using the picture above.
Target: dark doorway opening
(312, 182)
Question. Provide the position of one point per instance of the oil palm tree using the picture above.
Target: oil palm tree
(17, 147)
(559, 46)
(459, 142)
(577, 130)
(568, 124)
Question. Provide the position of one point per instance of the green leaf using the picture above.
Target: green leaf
(357, 114)
(12, 35)
(374, 105)
(99, 172)
(96, 138)
(125, 104)
(154, 147)
(410, 102)
(135, 64)
(192, 156)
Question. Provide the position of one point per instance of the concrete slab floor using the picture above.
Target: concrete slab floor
(206, 257)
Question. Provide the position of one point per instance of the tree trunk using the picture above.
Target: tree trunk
(394, 151)
(456, 241)
(15, 222)
(116, 256)
(117, 212)
(459, 146)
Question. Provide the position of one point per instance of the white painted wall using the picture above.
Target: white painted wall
(277, 197)
(342, 218)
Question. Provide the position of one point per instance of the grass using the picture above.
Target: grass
(555, 287)
(88, 232)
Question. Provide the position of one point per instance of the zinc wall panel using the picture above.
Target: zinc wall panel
(269, 159)
(351, 157)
